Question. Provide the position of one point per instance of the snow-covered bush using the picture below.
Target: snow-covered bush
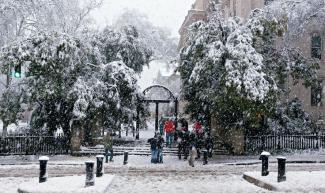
(290, 119)
(10, 107)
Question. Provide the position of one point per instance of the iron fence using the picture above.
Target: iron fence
(284, 142)
(33, 145)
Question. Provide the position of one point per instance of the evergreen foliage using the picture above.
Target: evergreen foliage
(91, 81)
(233, 70)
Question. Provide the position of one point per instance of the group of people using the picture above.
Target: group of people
(190, 144)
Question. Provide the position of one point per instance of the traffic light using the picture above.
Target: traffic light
(17, 72)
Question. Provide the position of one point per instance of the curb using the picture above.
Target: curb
(259, 183)
(288, 162)
(229, 164)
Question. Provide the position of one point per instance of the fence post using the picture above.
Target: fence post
(278, 142)
(27, 144)
(1, 144)
(263, 143)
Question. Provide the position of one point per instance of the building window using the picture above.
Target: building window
(316, 47)
(316, 94)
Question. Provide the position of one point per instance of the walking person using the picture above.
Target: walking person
(193, 152)
(199, 135)
(108, 146)
(180, 145)
(185, 143)
(154, 149)
(169, 129)
(160, 145)
(161, 126)
(197, 127)
(208, 144)
(184, 138)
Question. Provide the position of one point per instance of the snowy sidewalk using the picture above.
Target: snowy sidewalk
(308, 157)
(298, 181)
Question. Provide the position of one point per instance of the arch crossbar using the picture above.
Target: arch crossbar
(171, 95)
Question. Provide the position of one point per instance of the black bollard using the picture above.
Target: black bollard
(99, 168)
(106, 155)
(281, 169)
(90, 180)
(265, 162)
(205, 157)
(126, 155)
(42, 166)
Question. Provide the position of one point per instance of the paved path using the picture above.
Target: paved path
(216, 169)
(147, 178)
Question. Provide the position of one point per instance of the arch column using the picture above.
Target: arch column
(157, 114)
(137, 124)
(176, 112)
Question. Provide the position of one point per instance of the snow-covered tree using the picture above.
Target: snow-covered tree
(301, 14)
(157, 39)
(69, 80)
(20, 18)
(290, 119)
(232, 69)
(10, 107)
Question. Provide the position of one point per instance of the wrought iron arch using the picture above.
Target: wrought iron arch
(172, 98)
(171, 95)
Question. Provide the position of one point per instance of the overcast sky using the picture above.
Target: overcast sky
(164, 13)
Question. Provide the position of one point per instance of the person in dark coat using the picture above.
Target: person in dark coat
(108, 146)
(161, 126)
(208, 144)
(160, 145)
(154, 149)
(183, 147)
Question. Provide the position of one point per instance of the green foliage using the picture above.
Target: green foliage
(234, 71)
(91, 81)
(291, 119)
(10, 107)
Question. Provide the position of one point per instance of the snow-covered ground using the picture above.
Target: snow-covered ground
(298, 181)
(173, 176)
(162, 184)
(139, 175)
(175, 183)
(68, 184)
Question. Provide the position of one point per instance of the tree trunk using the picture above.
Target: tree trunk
(76, 136)
(5, 130)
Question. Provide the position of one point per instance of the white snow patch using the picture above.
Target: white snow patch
(70, 184)
(298, 181)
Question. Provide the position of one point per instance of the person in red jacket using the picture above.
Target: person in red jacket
(169, 129)
(197, 128)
